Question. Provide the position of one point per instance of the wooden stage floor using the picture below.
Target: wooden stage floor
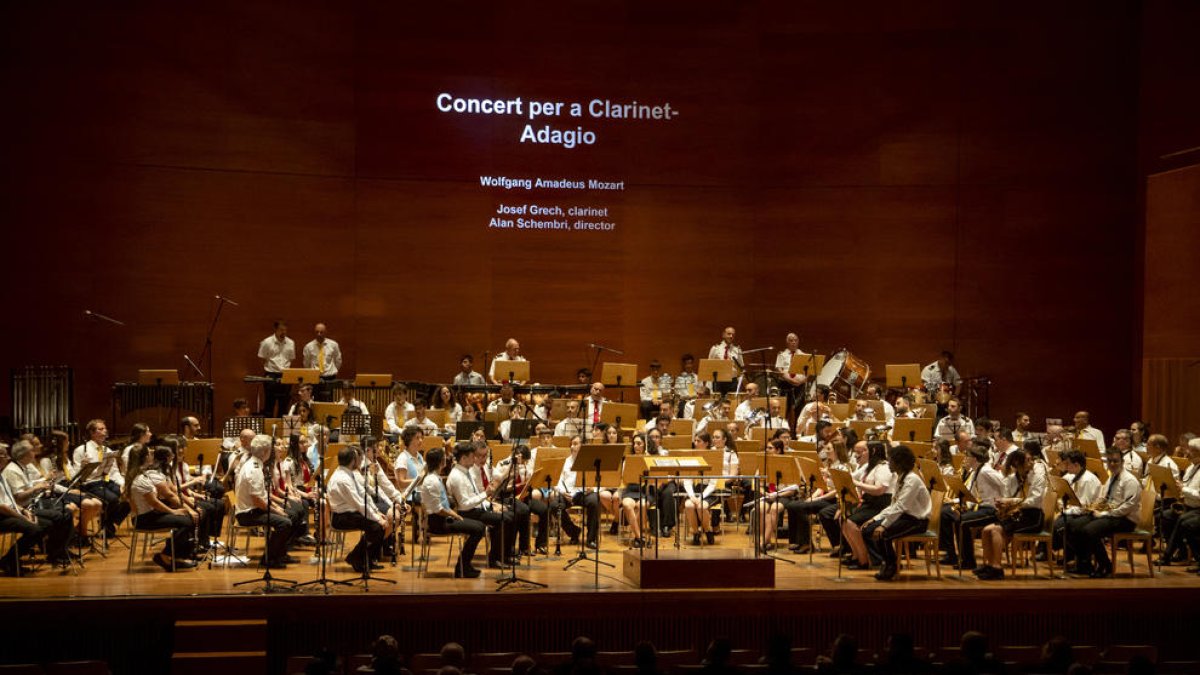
(108, 578)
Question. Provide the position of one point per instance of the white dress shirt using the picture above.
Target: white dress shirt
(1098, 436)
(433, 495)
(427, 425)
(94, 452)
(394, 419)
(143, 486)
(494, 405)
(250, 483)
(376, 477)
(19, 480)
(413, 464)
(988, 486)
(333, 357)
(1163, 460)
(685, 385)
(742, 411)
(648, 389)
(1190, 486)
(276, 354)
(502, 356)
(948, 427)
(567, 485)
(1035, 488)
(909, 497)
(7, 498)
(1086, 487)
(464, 495)
(776, 423)
(1124, 497)
(728, 353)
(346, 494)
(471, 378)
(932, 376)
(880, 475)
(571, 426)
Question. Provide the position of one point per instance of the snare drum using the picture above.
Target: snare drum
(845, 374)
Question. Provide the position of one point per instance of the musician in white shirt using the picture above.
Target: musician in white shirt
(940, 372)
(954, 422)
(398, 411)
(1086, 487)
(443, 519)
(1084, 429)
(1122, 495)
(1024, 488)
(728, 351)
(443, 399)
(1021, 432)
(512, 352)
(323, 354)
(774, 421)
(686, 381)
(254, 507)
(472, 501)
(743, 409)
(1133, 462)
(572, 424)
(654, 387)
(792, 382)
(1182, 530)
(815, 411)
(874, 392)
(987, 485)
(1159, 450)
(106, 482)
(304, 394)
(594, 410)
(873, 479)
(277, 352)
(908, 513)
(346, 398)
(570, 490)
(420, 419)
(353, 509)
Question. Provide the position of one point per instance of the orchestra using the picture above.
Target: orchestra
(377, 487)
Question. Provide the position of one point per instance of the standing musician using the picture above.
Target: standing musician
(444, 520)
(398, 411)
(1181, 524)
(940, 377)
(987, 484)
(512, 475)
(1086, 487)
(512, 352)
(472, 502)
(570, 493)
(156, 505)
(1019, 511)
(873, 479)
(326, 356)
(254, 507)
(655, 389)
(1084, 429)
(907, 513)
(1118, 511)
(728, 351)
(353, 509)
(791, 383)
(277, 352)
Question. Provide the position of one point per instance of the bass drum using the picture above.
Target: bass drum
(845, 374)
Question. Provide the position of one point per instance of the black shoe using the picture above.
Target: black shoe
(275, 564)
(991, 574)
(695, 539)
(289, 559)
(592, 545)
(887, 573)
(495, 565)
(1101, 572)
(513, 560)
(306, 540)
(1040, 557)
(181, 564)
(710, 538)
(161, 560)
(834, 553)
(376, 565)
(948, 560)
(855, 565)
(666, 532)
(469, 573)
(612, 529)
(573, 541)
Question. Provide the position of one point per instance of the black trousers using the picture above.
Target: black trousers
(213, 511)
(115, 510)
(182, 531)
(1189, 531)
(1087, 538)
(474, 530)
(883, 548)
(371, 542)
(668, 508)
(1062, 525)
(59, 532)
(495, 521)
(281, 531)
(31, 534)
(967, 520)
(590, 501)
(276, 396)
(1169, 523)
(297, 513)
(798, 510)
(539, 508)
(521, 512)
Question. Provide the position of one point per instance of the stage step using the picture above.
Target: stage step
(230, 647)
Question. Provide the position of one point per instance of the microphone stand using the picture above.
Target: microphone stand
(512, 578)
(322, 579)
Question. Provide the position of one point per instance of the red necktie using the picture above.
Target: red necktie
(726, 351)
(595, 413)
(483, 476)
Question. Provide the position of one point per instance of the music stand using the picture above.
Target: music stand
(158, 377)
(522, 429)
(956, 486)
(681, 427)
(909, 429)
(204, 446)
(903, 375)
(329, 414)
(619, 375)
(1096, 466)
(847, 495)
(464, 429)
(597, 458)
(810, 471)
(300, 376)
(721, 371)
(619, 413)
(809, 365)
(373, 380)
(234, 426)
(1090, 448)
(513, 372)
(932, 473)
(676, 442)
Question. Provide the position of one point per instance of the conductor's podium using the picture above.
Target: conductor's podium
(698, 568)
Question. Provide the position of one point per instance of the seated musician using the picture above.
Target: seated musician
(689, 406)
(1020, 510)
(874, 392)
(106, 483)
(665, 411)
(1022, 424)
(904, 407)
(287, 497)
(954, 422)
(686, 382)
(985, 429)
(512, 352)
(873, 479)
(1086, 487)
(481, 474)
(139, 434)
(700, 498)
(774, 421)
(506, 398)
(717, 410)
(466, 375)
(572, 424)
(33, 494)
(516, 412)
(908, 513)
(16, 518)
(254, 507)
(304, 394)
(655, 388)
(55, 467)
(409, 464)
(820, 500)
(774, 501)
(383, 492)
(942, 376)
(154, 505)
(512, 475)
(444, 520)
(631, 500)
(815, 411)
(743, 409)
(1159, 450)
(191, 492)
(353, 405)
(1118, 511)
(987, 484)
(1185, 526)
(398, 411)
(353, 509)
(443, 399)
(1139, 435)
(570, 492)
(421, 419)
(1002, 445)
(1122, 440)
(472, 501)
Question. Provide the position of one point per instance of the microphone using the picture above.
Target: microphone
(605, 349)
(225, 299)
(755, 351)
(193, 365)
(96, 315)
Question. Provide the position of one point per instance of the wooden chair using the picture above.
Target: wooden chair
(235, 528)
(146, 535)
(927, 540)
(1026, 541)
(1144, 532)
(427, 540)
(8, 540)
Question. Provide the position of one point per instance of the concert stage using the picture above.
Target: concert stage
(810, 602)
